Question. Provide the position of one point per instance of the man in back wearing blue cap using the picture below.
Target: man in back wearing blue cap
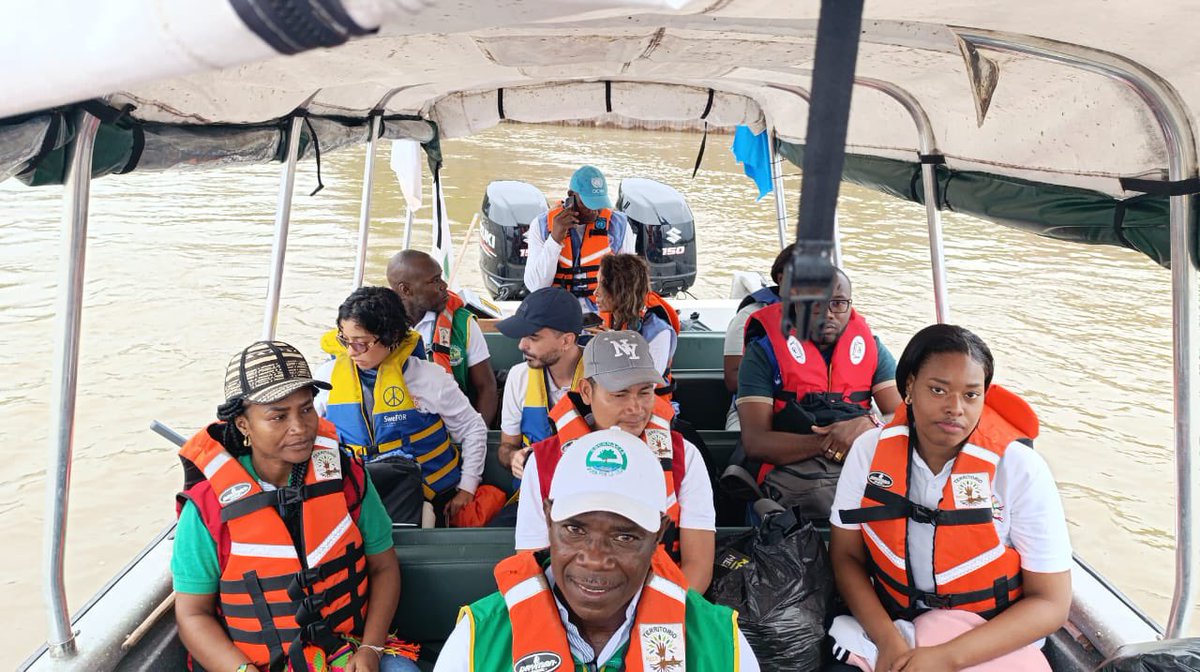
(565, 244)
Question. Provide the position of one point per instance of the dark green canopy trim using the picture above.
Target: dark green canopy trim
(1064, 213)
(124, 144)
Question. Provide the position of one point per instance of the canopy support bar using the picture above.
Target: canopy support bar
(927, 145)
(283, 216)
(69, 308)
(1174, 121)
(777, 188)
(364, 215)
(408, 227)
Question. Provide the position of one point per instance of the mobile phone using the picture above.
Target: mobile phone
(592, 320)
(569, 203)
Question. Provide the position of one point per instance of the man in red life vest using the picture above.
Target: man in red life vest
(840, 360)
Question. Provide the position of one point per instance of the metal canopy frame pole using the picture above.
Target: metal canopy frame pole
(408, 227)
(927, 146)
(364, 214)
(283, 215)
(777, 188)
(69, 308)
(1174, 121)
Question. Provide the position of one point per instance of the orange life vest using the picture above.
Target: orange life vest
(569, 416)
(973, 569)
(800, 367)
(579, 278)
(442, 328)
(537, 628)
(280, 608)
(655, 305)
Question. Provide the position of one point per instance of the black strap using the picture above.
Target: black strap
(105, 113)
(269, 635)
(607, 96)
(1162, 188)
(279, 498)
(439, 348)
(932, 159)
(704, 138)
(895, 506)
(437, 202)
(1119, 210)
(317, 152)
(500, 103)
(708, 105)
(292, 27)
(296, 583)
(135, 152)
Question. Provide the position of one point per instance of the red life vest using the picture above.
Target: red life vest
(258, 555)
(569, 417)
(537, 628)
(580, 279)
(800, 367)
(973, 569)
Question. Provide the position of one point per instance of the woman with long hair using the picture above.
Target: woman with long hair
(949, 542)
(626, 302)
(283, 555)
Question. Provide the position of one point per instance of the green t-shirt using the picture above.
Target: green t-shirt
(756, 376)
(194, 565)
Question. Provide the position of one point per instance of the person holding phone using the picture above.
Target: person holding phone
(565, 245)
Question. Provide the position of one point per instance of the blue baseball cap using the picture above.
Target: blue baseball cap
(592, 188)
(552, 307)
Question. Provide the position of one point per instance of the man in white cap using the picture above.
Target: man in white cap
(564, 245)
(603, 596)
(617, 390)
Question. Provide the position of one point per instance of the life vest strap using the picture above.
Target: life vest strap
(999, 592)
(298, 581)
(439, 348)
(895, 506)
(269, 636)
(279, 498)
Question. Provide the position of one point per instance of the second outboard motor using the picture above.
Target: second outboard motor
(508, 208)
(665, 230)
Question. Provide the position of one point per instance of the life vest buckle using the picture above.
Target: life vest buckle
(309, 609)
(289, 496)
(923, 514)
(935, 601)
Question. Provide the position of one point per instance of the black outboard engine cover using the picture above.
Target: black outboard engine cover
(508, 208)
(665, 230)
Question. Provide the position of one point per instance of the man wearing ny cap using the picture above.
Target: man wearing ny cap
(617, 390)
(603, 596)
(546, 326)
(565, 244)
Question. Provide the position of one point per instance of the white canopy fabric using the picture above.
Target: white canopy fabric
(447, 62)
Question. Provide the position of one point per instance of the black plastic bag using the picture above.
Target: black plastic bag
(778, 577)
(1173, 655)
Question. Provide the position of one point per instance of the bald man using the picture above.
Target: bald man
(449, 331)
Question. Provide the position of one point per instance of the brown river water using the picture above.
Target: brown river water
(177, 270)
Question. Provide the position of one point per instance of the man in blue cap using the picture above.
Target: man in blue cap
(565, 245)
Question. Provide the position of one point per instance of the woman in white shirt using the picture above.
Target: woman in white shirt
(949, 508)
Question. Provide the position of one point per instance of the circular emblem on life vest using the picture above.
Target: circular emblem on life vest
(542, 661)
(880, 479)
(393, 396)
(233, 493)
(606, 459)
(796, 348)
(659, 441)
(456, 355)
(858, 349)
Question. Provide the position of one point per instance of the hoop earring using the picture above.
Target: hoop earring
(246, 441)
(907, 401)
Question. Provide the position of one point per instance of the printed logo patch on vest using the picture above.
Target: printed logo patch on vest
(858, 350)
(796, 348)
(233, 493)
(971, 491)
(662, 647)
(443, 335)
(606, 459)
(456, 355)
(326, 465)
(542, 661)
(393, 396)
(880, 479)
(659, 441)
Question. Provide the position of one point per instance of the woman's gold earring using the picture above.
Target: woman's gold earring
(907, 402)
(246, 441)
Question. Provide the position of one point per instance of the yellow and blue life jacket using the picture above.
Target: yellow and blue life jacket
(395, 423)
(535, 412)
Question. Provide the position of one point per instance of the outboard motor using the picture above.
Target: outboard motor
(508, 208)
(665, 230)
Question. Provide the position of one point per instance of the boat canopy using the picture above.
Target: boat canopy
(1026, 140)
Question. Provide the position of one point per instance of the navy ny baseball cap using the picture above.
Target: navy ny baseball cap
(592, 188)
(552, 307)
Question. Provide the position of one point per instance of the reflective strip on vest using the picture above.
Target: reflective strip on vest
(524, 590)
(263, 550)
(318, 554)
(215, 465)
